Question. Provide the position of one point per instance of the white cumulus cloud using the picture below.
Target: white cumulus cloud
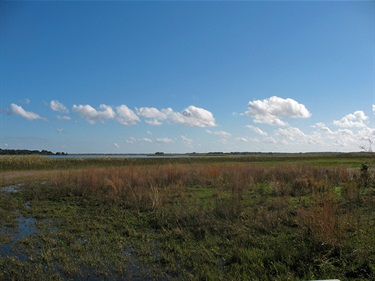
(63, 118)
(270, 140)
(154, 116)
(58, 106)
(151, 112)
(323, 127)
(257, 130)
(146, 139)
(165, 140)
(220, 133)
(154, 122)
(18, 110)
(274, 109)
(126, 116)
(242, 139)
(192, 116)
(343, 137)
(131, 140)
(355, 119)
(292, 135)
(187, 141)
(92, 115)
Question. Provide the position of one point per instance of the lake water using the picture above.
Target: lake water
(117, 156)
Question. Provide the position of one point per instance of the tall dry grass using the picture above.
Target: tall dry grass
(323, 221)
(154, 187)
(310, 214)
(284, 180)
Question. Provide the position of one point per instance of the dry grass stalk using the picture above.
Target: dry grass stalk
(322, 221)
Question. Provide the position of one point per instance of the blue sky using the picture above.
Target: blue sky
(179, 76)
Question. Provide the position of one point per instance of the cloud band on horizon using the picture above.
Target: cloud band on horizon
(191, 116)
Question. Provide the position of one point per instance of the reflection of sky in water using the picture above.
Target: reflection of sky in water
(11, 188)
(26, 227)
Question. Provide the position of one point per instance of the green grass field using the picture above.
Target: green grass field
(261, 217)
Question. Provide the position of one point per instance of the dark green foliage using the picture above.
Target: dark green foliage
(28, 152)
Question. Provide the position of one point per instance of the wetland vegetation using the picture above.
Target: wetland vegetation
(252, 217)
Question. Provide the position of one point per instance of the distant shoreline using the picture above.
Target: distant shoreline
(10, 152)
(29, 152)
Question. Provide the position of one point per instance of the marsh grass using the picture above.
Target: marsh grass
(37, 162)
(197, 221)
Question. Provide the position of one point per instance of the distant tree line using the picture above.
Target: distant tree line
(28, 152)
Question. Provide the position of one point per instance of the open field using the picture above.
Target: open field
(261, 217)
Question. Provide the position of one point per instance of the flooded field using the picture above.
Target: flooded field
(205, 219)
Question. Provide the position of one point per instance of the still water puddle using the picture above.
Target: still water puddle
(11, 188)
(26, 227)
